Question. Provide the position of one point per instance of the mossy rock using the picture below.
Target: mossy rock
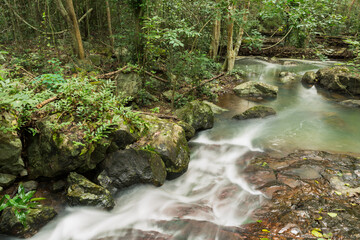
(256, 89)
(198, 114)
(83, 192)
(10, 145)
(128, 84)
(128, 167)
(309, 78)
(255, 112)
(35, 220)
(168, 139)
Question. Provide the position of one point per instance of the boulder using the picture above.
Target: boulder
(168, 95)
(52, 153)
(35, 219)
(169, 141)
(256, 89)
(10, 146)
(30, 186)
(288, 77)
(255, 112)
(129, 167)
(198, 114)
(6, 179)
(95, 59)
(351, 103)
(128, 84)
(189, 130)
(339, 79)
(215, 108)
(82, 192)
(309, 78)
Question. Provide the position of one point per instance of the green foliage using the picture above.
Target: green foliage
(21, 203)
(355, 47)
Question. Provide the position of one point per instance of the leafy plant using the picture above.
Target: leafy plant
(21, 203)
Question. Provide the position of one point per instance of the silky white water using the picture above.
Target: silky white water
(213, 189)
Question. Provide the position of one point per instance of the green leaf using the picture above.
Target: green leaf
(332, 214)
(37, 199)
(316, 232)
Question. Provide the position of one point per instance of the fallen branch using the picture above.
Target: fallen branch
(47, 101)
(111, 74)
(159, 115)
(204, 82)
(32, 76)
(279, 41)
(154, 76)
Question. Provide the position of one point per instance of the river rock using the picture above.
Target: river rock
(309, 78)
(307, 190)
(288, 77)
(129, 167)
(256, 89)
(198, 114)
(10, 145)
(82, 192)
(35, 219)
(30, 186)
(215, 108)
(52, 153)
(351, 103)
(189, 130)
(339, 79)
(128, 84)
(169, 141)
(255, 112)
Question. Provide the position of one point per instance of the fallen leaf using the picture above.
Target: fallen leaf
(331, 214)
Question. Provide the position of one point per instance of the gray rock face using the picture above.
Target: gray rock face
(309, 78)
(198, 114)
(82, 192)
(6, 179)
(35, 219)
(10, 146)
(256, 89)
(129, 167)
(255, 112)
(169, 141)
(339, 79)
(128, 84)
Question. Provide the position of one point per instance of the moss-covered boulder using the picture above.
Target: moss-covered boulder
(198, 114)
(168, 139)
(129, 167)
(189, 130)
(55, 152)
(83, 192)
(128, 84)
(255, 112)
(288, 77)
(339, 79)
(10, 146)
(309, 78)
(256, 89)
(351, 103)
(6, 179)
(35, 219)
(215, 108)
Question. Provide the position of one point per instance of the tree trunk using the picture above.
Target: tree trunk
(214, 47)
(108, 13)
(71, 20)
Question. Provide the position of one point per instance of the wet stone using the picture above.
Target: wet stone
(305, 172)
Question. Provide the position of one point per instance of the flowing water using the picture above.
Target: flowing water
(212, 195)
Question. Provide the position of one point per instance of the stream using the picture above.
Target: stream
(212, 199)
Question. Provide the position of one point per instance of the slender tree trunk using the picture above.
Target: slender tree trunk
(108, 13)
(69, 15)
(233, 51)
(215, 43)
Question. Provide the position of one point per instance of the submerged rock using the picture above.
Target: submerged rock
(198, 114)
(169, 141)
(256, 89)
(10, 146)
(339, 79)
(35, 219)
(83, 192)
(311, 194)
(255, 112)
(351, 103)
(129, 167)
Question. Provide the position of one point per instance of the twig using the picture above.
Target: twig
(32, 76)
(111, 74)
(47, 101)
(154, 76)
(279, 41)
